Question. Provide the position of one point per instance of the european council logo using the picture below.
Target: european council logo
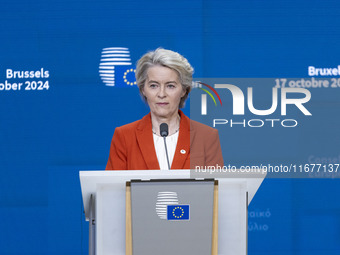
(178, 212)
(115, 68)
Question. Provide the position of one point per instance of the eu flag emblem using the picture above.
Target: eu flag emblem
(178, 212)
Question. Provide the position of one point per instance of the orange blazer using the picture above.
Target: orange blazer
(132, 146)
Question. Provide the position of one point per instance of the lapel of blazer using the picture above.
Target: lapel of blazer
(145, 142)
(183, 143)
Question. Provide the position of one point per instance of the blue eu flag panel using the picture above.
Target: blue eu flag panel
(178, 212)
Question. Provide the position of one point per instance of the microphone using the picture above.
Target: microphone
(164, 131)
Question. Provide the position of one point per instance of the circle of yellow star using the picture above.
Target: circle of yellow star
(131, 83)
(181, 211)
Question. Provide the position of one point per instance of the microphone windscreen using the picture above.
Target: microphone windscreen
(164, 130)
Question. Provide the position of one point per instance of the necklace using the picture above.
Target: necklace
(171, 134)
(179, 121)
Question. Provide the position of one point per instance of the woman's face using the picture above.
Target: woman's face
(163, 91)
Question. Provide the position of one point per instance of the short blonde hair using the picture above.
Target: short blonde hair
(166, 58)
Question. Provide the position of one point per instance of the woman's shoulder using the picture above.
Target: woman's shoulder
(131, 127)
(199, 127)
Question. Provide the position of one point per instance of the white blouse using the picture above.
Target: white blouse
(171, 142)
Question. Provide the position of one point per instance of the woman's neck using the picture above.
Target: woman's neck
(172, 121)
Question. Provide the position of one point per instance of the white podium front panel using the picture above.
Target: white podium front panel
(108, 188)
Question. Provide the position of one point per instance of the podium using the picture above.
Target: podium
(107, 204)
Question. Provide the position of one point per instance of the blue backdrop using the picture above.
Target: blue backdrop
(62, 117)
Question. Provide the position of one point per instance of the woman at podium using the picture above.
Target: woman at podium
(165, 138)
